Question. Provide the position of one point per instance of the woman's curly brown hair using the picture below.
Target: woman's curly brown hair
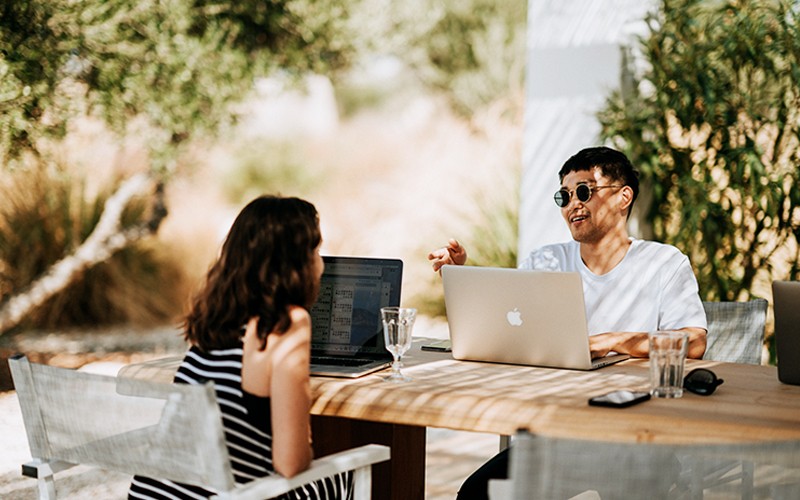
(264, 267)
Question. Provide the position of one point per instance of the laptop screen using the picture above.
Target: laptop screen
(346, 319)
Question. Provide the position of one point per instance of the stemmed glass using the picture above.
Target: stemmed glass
(397, 325)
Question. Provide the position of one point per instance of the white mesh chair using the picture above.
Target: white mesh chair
(556, 468)
(168, 431)
(735, 335)
(735, 331)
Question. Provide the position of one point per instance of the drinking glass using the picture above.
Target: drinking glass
(397, 325)
(667, 355)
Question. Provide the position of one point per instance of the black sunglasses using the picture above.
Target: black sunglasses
(582, 191)
(701, 381)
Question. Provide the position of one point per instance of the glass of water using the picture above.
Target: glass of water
(398, 322)
(667, 355)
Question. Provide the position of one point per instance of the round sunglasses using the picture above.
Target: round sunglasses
(582, 191)
(701, 381)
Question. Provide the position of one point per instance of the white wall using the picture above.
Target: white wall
(573, 60)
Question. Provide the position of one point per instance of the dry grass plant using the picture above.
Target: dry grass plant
(47, 212)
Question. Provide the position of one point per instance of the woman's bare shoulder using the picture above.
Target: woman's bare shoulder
(299, 316)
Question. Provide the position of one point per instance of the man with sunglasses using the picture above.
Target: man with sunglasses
(630, 286)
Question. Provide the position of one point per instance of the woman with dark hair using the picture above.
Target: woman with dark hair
(250, 333)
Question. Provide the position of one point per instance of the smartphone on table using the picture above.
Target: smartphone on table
(438, 346)
(620, 399)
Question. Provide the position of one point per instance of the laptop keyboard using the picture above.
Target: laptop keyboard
(328, 360)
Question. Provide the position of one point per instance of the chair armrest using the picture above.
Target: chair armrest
(344, 461)
(160, 370)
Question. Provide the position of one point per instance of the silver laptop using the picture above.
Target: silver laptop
(520, 317)
(347, 334)
(786, 300)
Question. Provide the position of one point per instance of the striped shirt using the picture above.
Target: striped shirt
(248, 433)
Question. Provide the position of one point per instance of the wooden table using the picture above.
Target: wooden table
(750, 406)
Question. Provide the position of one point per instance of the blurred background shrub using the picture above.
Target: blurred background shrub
(45, 214)
(266, 166)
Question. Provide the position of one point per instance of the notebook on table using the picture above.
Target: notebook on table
(786, 300)
(516, 316)
(347, 334)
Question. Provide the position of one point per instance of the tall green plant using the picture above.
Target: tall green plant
(713, 121)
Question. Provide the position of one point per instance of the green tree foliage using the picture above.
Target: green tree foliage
(714, 124)
(176, 65)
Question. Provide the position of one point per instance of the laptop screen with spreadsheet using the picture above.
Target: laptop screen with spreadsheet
(346, 319)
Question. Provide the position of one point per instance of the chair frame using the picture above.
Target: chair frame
(49, 460)
(531, 453)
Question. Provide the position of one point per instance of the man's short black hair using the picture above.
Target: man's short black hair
(612, 163)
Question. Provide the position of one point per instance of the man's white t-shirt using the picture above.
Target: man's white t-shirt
(652, 288)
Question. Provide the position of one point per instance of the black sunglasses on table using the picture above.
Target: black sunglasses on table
(582, 191)
(701, 381)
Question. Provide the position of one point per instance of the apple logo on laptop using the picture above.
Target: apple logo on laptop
(514, 317)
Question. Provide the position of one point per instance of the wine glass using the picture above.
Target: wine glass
(397, 325)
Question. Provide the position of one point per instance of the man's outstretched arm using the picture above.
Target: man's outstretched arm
(453, 253)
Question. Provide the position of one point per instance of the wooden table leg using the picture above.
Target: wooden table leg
(403, 477)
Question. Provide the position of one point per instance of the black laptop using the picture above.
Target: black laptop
(347, 334)
(786, 300)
